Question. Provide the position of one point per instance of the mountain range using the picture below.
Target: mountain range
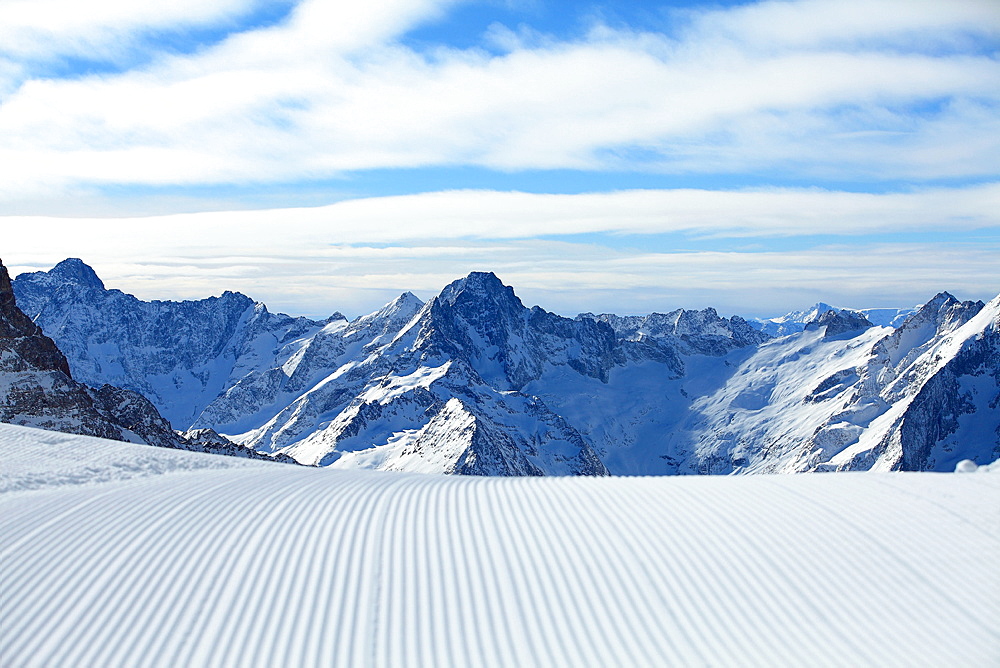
(37, 389)
(475, 382)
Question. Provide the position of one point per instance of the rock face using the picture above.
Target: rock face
(37, 388)
(180, 355)
(684, 332)
(835, 323)
(473, 382)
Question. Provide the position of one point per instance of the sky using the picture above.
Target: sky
(619, 156)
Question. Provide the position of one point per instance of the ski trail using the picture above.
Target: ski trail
(270, 565)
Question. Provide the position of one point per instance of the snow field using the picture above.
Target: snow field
(182, 559)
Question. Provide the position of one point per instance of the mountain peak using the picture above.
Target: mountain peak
(939, 300)
(403, 306)
(485, 280)
(945, 312)
(480, 285)
(75, 270)
(408, 300)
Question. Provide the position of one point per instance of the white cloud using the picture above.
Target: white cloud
(36, 35)
(43, 28)
(476, 214)
(811, 24)
(821, 89)
(355, 255)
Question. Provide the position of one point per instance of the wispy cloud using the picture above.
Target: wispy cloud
(479, 214)
(874, 90)
(899, 98)
(355, 255)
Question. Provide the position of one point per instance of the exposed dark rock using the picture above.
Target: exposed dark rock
(840, 322)
(37, 389)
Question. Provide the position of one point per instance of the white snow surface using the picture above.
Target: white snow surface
(117, 554)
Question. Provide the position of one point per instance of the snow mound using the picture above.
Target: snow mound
(183, 559)
(966, 466)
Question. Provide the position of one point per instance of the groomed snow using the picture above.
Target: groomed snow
(126, 555)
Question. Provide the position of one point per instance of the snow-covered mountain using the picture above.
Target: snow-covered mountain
(474, 382)
(180, 355)
(37, 389)
(796, 321)
(920, 397)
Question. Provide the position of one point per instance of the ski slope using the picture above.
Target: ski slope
(116, 554)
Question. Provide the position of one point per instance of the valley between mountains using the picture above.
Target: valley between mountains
(474, 382)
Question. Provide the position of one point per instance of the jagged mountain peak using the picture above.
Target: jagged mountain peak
(390, 316)
(479, 305)
(703, 331)
(230, 294)
(940, 299)
(478, 286)
(75, 270)
(23, 337)
(178, 354)
(406, 302)
(943, 312)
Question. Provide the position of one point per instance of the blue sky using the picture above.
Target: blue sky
(602, 156)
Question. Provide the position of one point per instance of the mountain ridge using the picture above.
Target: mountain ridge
(37, 387)
(473, 381)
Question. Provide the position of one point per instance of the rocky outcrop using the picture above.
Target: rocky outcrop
(835, 323)
(22, 337)
(180, 355)
(214, 443)
(37, 388)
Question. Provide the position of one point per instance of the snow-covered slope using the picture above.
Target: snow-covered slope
(124, 555)
(920, 397)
